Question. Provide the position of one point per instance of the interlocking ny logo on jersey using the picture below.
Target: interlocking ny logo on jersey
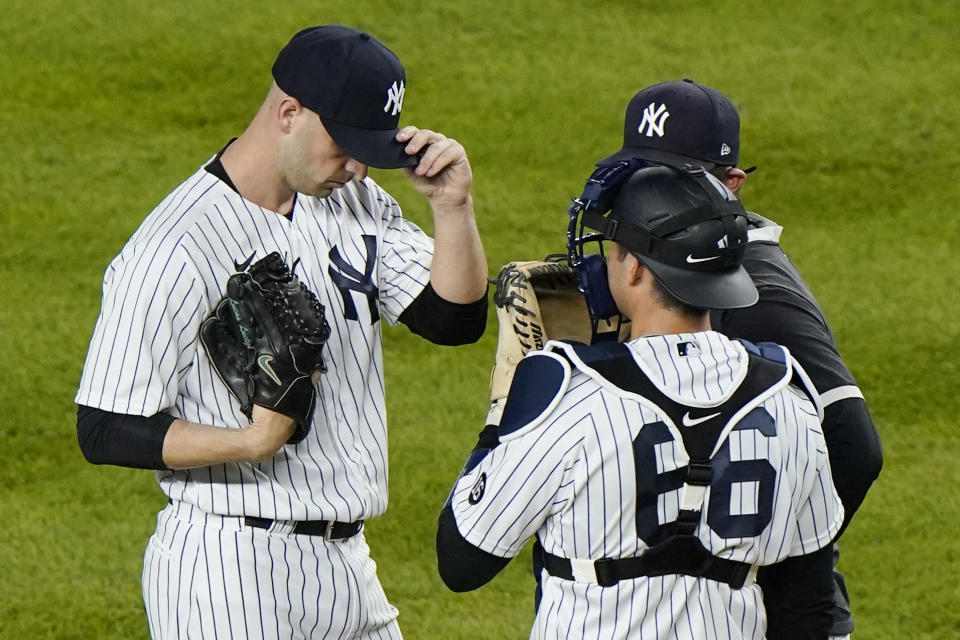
(395, 98)
(653, 119)
(349, 280)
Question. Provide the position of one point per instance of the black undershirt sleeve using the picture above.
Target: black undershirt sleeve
(462, 566)
(856, 455)
(798, 596)
(443, 322)
(121, 439)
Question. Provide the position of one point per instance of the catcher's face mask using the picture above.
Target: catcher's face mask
(591, 268)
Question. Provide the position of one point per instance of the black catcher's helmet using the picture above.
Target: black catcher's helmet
(683, 224)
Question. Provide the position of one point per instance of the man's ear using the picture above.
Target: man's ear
(637, 270)
(734, 180)
(288, 108)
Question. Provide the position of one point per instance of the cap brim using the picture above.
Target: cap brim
(706, 290)
(654, 155)
(377, 148)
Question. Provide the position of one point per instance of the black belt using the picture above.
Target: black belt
(328, 529)
(682, 558)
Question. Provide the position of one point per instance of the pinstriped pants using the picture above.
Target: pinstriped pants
(208, 576)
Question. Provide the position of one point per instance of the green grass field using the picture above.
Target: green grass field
(850, 109)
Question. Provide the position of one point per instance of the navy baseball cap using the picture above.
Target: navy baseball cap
(678, 123)
(355, 84)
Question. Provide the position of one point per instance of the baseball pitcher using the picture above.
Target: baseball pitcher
(238, 348)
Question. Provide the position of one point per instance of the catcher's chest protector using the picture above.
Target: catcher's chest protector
(615, 364)
(676, 549)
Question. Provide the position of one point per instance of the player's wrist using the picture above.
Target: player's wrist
(454, 205)
(268, 431)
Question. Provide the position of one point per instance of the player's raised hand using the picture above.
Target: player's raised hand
(443, 175)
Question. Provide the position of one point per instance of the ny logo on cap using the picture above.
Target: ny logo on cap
(653, 119)
(395, 98)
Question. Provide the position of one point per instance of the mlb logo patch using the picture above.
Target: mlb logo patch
(688, 349)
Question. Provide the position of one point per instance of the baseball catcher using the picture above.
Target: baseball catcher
(265, 338)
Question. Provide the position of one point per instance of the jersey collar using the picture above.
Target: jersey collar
(762, 230)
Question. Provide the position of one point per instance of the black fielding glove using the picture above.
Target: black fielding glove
(265, 340)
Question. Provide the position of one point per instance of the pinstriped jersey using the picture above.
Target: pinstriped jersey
(353, 249)
(599, 472)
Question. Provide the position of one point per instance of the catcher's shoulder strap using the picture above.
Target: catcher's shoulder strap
(798, 376)
(539, 383)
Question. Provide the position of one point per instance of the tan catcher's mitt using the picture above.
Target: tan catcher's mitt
(536, 300)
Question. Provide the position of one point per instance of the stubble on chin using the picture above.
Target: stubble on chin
(319, 191)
